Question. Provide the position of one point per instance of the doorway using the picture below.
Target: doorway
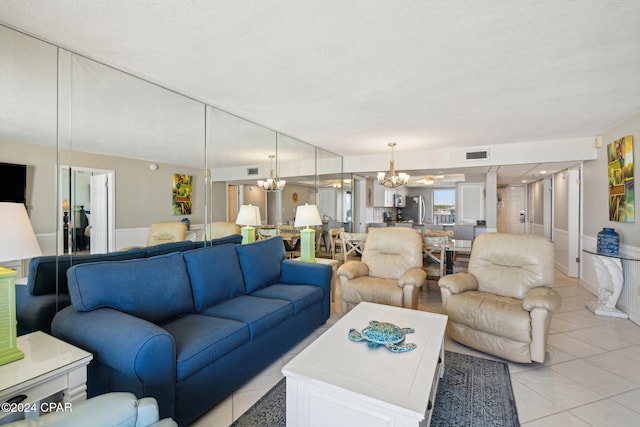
(511, 212)
(87, 200)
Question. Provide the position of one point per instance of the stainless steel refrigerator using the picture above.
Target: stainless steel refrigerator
(414, 209)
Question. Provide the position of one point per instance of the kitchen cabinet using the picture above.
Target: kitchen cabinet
(384, 197)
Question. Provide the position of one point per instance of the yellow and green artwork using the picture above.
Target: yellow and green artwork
(181, 194)
(620, 165)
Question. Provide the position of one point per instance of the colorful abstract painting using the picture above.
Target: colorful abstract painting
(621, 194)
(181, 194)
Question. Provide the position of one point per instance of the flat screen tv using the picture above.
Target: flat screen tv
(13, 183)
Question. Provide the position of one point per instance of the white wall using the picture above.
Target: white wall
(596, 216)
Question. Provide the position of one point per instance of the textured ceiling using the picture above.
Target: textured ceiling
(351, 76)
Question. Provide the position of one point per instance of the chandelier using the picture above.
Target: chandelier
(272, 183)
(390, 179)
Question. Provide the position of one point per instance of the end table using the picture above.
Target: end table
(49, 366)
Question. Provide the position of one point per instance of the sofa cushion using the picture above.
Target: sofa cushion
(156, 289)
(45, 270)
(261, 314)
(215, 275)
(494, 314)
(260, 262)
(201, 340)
(301, 296)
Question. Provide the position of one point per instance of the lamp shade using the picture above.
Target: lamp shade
(307, 215)
(17, 239)
(249, 215)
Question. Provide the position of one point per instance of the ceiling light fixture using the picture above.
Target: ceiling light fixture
(272, 183)
(390, 179)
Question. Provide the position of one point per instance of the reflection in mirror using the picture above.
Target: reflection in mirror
(295, 164)
(131, 155)
(334, 193)
(28, 126)
(237, 156)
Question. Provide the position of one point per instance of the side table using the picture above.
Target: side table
(610, 280)
(333, 263)
(49, 366)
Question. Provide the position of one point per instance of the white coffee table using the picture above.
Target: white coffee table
(49, 366)
(337, 382)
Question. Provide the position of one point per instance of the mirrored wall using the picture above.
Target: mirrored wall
(108, 154)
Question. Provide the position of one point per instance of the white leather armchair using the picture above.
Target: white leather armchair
(165, 232)
(503, 305)
(116, 409)
(390, 271)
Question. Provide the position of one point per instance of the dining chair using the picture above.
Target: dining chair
(334, 240)
(352, 243)
(433, 241)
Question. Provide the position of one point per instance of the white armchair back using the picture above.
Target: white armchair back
(390, 252)
(512, 264)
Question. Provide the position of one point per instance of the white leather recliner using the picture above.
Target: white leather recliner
(165, 232)
(390, 271)
(503, 305)
(220, 229)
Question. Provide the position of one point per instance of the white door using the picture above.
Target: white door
(511, 213)
(99, 214)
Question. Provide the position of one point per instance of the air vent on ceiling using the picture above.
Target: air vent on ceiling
(252, 171)
(477, 155)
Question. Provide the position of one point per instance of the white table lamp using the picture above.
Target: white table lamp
(248, 218)
(305, 216)
(17, 242)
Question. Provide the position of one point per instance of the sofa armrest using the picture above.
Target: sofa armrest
(459, 282)
(352, 269)
(413, 277)
(305, 273)
(541, 297)
(138, 349)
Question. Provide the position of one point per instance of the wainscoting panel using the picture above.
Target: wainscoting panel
(126, 237)
(629, 301)
(561, 245)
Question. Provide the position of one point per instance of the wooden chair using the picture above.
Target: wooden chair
(352, 243)
(433, 241)
(334, 240)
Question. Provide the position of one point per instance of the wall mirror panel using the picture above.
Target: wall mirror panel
(131, 154)
(296, 165)
(28, 88)
(334, 193)
(238, 156)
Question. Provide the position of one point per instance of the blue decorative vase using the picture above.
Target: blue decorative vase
(186, 221)
(608, 242)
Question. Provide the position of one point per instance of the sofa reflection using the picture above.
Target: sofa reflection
(46, 291)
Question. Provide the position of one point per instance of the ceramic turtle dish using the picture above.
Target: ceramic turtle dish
(386, 334)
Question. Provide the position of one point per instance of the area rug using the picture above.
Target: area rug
(473, 392)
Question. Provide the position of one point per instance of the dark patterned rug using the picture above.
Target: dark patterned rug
(473, 392)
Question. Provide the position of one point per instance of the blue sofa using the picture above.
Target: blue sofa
(189, 328)
(46, 291)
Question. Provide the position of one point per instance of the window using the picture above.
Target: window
(444, 205)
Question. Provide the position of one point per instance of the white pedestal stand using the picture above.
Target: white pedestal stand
(610, 279)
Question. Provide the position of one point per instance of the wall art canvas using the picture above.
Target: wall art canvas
(181, 194)
(621, 191)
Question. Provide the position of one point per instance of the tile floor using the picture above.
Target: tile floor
(591, 376)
